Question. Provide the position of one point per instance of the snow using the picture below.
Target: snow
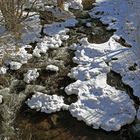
(59, 28)
(124, 17)
(46, 103)
(57, 34)
(15, 65)
(33, 28)
(120, 15)
(52, 68)
(20, 55)
(3, 70)
(31, 75)
(74, 4)
(99, 104)
(88, 24)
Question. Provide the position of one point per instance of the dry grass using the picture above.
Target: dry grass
(13, 13)
(60, 4)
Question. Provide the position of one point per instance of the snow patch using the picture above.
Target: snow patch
(120, 15)
(52, 68)
(31, 75)
(46, 103)
(99, 104)
(3, 70)
(15, 65)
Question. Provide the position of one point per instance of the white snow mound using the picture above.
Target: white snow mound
(46, 103)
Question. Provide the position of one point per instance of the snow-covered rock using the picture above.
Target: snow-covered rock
(88, 24)
(31, 75)
(52, 68)
(46, 103)
(21, 55)
(3, 70)
(56, 29)
(36, 52)
(75, 4)
(15, 65)
(47, 43)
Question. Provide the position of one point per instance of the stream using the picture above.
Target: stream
(32, 125)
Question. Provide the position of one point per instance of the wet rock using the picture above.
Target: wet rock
(138, 114)
(134, 132)
(4, 91)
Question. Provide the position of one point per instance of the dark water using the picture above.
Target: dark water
(58, 126)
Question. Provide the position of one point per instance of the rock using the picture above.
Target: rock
(3, 70)
(52, 68)
(1, 99)
(46, 103)
(88, 24)
(135, 131)
(15, 65)
(4, 92)
(31, 75)
(138, 114)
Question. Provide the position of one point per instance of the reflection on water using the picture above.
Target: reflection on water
(58, 126)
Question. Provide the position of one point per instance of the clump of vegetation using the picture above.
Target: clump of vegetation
(13, 13)
(60, 4)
